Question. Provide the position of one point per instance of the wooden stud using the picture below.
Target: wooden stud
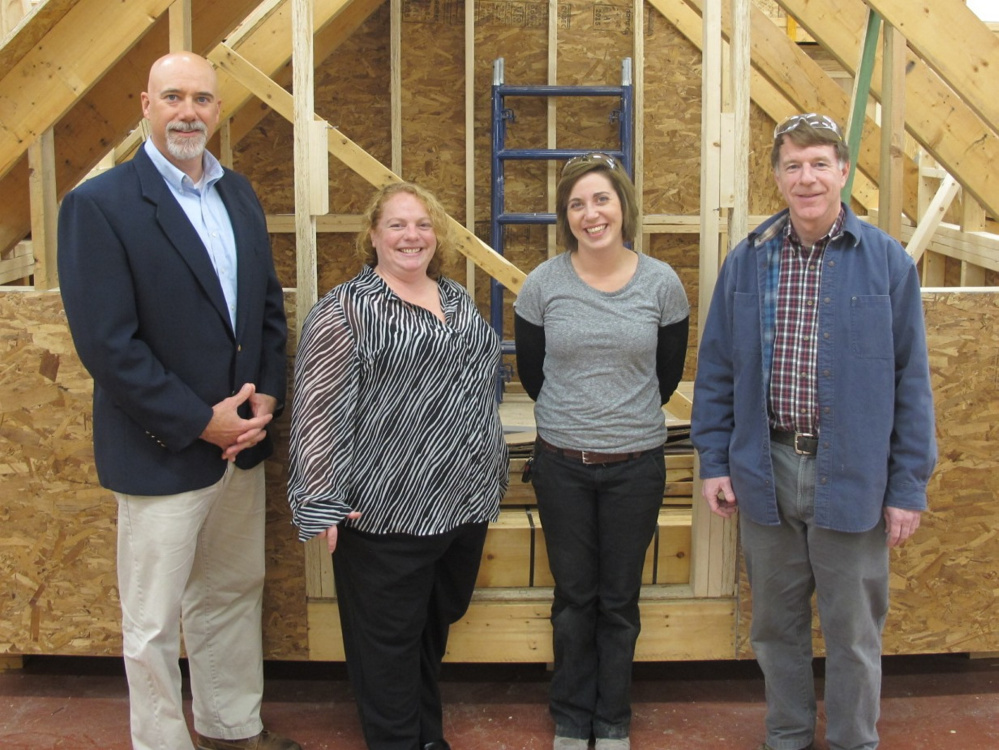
(972, 215)
(395, 83)
(225, 143)
(181, 37)
(44, 210)
(892, 131)
(470, 138)
(551, 121)
(738, 226)
(641, 243)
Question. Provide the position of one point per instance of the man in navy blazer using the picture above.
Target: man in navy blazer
(176, 311)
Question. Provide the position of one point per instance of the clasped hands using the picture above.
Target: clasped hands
(231, 432)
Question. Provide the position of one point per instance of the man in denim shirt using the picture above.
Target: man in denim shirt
(813, 415)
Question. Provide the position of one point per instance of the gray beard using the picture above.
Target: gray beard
(184, 150)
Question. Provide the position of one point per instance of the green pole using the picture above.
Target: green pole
(861, 90)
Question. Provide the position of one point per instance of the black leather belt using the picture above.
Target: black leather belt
(804, 444)
(593, 457)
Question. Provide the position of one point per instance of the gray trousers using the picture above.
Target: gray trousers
(849, 574)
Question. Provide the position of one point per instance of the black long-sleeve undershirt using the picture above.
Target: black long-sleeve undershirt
(671, 352)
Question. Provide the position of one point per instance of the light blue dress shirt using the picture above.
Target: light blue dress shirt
(208, 215)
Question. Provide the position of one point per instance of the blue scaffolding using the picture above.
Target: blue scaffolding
(622, 114)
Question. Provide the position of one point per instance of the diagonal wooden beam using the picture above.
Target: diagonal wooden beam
(768, 97)
(108, 110)
(804, 82)
(31, 29)
(936, 117)
(956, 44)
(923, 233)
(44, 84)
(359, 160)
(269, 49)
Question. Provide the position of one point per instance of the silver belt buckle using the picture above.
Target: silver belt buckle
(586, 459)
(806, 435)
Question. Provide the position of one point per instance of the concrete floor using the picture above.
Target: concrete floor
(929, 703)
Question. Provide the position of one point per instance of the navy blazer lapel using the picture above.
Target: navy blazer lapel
(177, 228)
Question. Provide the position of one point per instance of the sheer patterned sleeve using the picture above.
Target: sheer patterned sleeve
(323, 419)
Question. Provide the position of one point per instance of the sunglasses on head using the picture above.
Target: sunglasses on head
(596, 158)
(812, 119)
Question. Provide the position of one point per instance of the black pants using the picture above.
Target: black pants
(398, 595)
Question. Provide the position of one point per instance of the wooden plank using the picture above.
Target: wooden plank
(890, 203)
(29, 30)
(44, 210)
(506, 557)
(469, 139)
(349, 223)
(17, 263)
(738, 226)
(934, 268)
(972, 275)
(937, 117)
(517, 628)
(972, 215)
(673, 546)
(955, 42)
(638, 92)
(319, 580)
(103, 116)
(361, 162)
(931, 219)
(181, 34)
(395, 83)
(39, 88)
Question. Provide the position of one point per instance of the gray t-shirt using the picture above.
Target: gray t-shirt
(600, 391)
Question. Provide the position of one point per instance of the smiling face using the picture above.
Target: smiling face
(594, 213)
(404, 238)
(810, 179)
(183, 109)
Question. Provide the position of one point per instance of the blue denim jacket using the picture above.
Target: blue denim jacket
(876, 427)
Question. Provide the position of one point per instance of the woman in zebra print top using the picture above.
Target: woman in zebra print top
(398, 459)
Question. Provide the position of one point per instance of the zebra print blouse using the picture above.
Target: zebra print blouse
(394, 414)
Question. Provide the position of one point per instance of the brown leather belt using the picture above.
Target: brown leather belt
(804, 444)
(593, 457)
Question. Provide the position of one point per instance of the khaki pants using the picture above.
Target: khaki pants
(197, 558)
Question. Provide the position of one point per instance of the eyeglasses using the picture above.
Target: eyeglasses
(595, 158)
(812, 119)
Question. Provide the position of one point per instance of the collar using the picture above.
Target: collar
(179, 180)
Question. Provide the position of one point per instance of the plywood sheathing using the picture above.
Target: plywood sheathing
(944, 581)
(57, 551)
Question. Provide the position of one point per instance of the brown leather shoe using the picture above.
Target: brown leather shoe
(263, 741)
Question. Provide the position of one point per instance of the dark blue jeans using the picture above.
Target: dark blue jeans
(598, 521)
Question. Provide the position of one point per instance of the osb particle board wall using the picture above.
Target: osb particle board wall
(57, 572)
(58, 584)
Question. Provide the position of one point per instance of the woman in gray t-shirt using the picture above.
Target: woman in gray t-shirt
(601, 336)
